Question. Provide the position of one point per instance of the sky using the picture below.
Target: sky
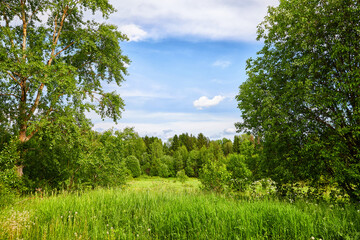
(188, 59)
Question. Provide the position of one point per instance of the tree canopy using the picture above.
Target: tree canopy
(302, 95)
(54, 62)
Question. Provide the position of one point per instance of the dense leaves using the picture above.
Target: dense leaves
(54, 66)
(54, 62)
(302, 96)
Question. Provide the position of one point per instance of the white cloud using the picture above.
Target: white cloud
(204, 101)
(209, 19)
(229, 131)
(221, 64)
(134, 32)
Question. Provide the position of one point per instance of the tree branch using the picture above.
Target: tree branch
(56, 38)
(8, 27)
(23, 18)
(37, 100)
(318, 119)
(7, 5)
(32, 15)
(36, 103)
(9, 94)
(13, 78)
(55, 26)
(32, 134)
(64, 49)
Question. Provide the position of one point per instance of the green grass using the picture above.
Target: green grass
(156, 208)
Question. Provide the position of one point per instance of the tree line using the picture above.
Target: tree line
(72, 157)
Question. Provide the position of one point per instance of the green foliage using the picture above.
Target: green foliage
(227, 146)
(9, 157)
(193, 164)
(174, 143)
(71, 156)
(214, 176)
(54, 66)
(181, 176)
(263, 187)
(132, 163)
(302, 96)
(163, 170)
(7, 195)
(241, 176)
(202, 141)
(180, 157)
(54, 63)
(10, 182)
(166, 168)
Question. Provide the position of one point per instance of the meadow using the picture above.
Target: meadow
(157, 208)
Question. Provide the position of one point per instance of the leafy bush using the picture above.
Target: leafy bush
(132, 163)
(265, 186)
(163, 170)
(214, 176)
(181, 176)
(166, 168)
(10, 182)
(241, 176)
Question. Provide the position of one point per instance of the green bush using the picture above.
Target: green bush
(181, 176)
(132, 163)
(166, 168)
(214, 176)
(10, 182)
(163, 170)
(241, 176)
(7, 195)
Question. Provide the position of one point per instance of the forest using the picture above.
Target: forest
(85, 159)
(293, 169)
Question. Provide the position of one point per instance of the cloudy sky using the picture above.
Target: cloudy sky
(188, 60)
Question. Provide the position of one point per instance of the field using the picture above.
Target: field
(156, 208)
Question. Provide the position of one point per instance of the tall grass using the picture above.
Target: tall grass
(151, 209)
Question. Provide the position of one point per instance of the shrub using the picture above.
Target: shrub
(132, 163)
(241, 176)
(10, 182)
(163, 170)
(214, 176)
(181, 176)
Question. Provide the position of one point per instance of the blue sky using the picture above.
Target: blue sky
(188, 60)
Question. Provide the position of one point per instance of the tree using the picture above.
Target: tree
(53, 63)
(156, 152)
(227, 146)
(180, 157)
(166, 168)
(174, 143)
(236, 144)
(187, 141)
(302, 95)
(202, 141)
(193, 164)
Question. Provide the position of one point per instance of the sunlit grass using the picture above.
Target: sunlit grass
(157, 208)
(164, 184)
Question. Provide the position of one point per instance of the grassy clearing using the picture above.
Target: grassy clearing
(157, 208)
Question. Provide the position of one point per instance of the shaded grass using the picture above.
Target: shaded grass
(164, 209)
